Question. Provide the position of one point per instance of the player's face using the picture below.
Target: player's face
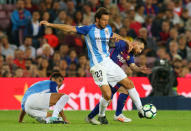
(20, 5)
(59, 81)
(138, 48)
(103, 21)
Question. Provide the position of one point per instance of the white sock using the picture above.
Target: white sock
(135, 98)
(47, 120)
(60, 105)
(102, 106)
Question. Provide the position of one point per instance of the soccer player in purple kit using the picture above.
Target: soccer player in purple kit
(120, 55)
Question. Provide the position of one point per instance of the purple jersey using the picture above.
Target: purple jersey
(120, 54)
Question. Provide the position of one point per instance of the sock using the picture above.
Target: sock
(102, 107)
(135, 98)
(94, 112)
(47, 119)
(120, 103)
(60, 105)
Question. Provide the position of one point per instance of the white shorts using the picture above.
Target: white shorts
(37, 105)
(107, 72)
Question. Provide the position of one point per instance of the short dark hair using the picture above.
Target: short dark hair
(101, 11)
(141, 40)
(20, 0)
(56, 74)
(28, 37)
(82, 54)
(28, 59)
(138, 7)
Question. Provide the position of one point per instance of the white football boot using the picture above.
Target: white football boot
(92, 121)
(122, 118)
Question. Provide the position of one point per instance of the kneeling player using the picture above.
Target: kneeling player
(41, 96)
(120, 56)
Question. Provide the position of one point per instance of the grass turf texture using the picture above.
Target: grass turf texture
(164, 121)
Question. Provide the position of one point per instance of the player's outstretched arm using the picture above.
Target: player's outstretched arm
(142, 69)
(118, 37)
(64, 27)
(21, 116)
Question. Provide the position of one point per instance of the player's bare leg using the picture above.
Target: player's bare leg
(128, 84)
(104, 101)
(101, 107)
(106, 96)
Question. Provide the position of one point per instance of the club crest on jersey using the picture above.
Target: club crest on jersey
(107, 31)
(128, 57)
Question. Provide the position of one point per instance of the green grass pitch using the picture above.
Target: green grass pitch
(164, 121)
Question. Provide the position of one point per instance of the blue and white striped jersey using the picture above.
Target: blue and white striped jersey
(97, 42)
(46, 86)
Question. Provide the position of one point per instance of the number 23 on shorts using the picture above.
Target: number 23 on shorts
(99, 76)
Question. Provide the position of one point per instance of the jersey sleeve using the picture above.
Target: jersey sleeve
(131, 59)
(121, 44)
(22, 106)
(53, 87)
(83, 29)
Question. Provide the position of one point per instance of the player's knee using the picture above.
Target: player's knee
(124, 92)
(128, 84)
(131, 85)
(107, 96)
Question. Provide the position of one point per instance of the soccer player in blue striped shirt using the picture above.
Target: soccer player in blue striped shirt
(103, 69)
(41, 96)
(120, 55)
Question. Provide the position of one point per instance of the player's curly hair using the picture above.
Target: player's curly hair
(141, 40)
(56, 74)
(101, 11)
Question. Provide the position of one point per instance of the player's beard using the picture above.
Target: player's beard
(134, 52)
(101, 26)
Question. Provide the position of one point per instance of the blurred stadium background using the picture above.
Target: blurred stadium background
(29, 52)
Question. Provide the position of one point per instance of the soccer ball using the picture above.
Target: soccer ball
(149, 111)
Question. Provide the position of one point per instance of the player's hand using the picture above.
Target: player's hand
(129, 43)
(68, 122)
(116, 39)
(145, 70)
(46, 23)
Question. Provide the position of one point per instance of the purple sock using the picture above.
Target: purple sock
(94, 112)
(120, 103)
